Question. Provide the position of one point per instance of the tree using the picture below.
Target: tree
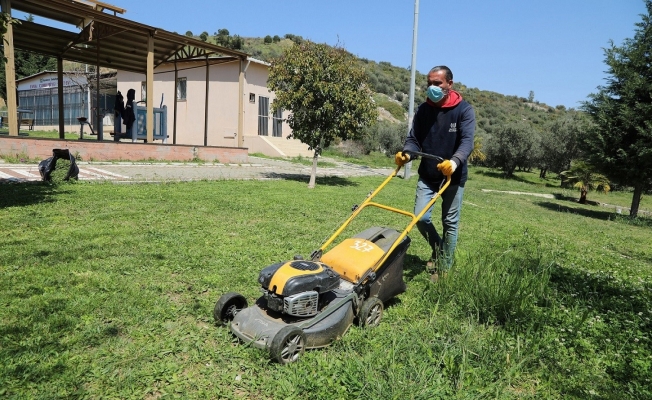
(189, 34)
(530, 97)
(560, 142)
(620, 142)
(276, 39)
(267, 40)
(325, 90)
(236, 43)
(583, 176)
(477, 155)
(511, 146)
(222, 37)
(203, 36)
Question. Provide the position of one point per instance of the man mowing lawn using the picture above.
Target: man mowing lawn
(443, 126)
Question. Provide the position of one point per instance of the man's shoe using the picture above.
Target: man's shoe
(436, 276)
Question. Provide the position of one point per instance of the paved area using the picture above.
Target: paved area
(129, 172)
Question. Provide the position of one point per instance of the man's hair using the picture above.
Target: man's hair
(449, 73)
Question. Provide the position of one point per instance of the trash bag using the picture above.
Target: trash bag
(48, 165)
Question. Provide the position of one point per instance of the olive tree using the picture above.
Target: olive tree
(325, 90)
(560, 142)
(512, 145)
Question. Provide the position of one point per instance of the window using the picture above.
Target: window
(181, 89)
(143, 91)
(252, 97)
(263, 116)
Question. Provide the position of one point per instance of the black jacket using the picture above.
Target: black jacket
(446, 132)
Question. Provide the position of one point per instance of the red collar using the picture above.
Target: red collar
(452, 99)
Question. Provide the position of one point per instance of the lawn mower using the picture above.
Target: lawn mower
(308, 304)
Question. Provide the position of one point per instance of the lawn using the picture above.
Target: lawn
(107, 291)
(47, 134)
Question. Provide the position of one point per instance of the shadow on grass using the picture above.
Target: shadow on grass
(601, 215)
(26, 193)
(413, 266)
(622, 306)
(321, 180)
(501, 175)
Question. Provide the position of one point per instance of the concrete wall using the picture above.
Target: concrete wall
(87, 150)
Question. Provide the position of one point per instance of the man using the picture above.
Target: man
(443, 126)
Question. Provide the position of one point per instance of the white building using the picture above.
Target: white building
(207, 114)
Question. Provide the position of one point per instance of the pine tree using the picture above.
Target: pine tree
(620, 143)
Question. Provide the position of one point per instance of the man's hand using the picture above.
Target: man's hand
(401, 158)
(447, 167)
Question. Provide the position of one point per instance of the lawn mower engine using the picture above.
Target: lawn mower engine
(294, 287)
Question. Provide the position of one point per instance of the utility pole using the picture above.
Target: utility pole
(413, 74)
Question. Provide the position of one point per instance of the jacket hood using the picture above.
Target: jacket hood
(453, 99)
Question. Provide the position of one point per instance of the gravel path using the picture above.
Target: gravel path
(257, 168)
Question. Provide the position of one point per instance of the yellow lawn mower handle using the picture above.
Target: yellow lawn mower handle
(368, 202)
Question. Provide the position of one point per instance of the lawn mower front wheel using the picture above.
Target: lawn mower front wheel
(288, 344)
(371, 312)
(228, 306)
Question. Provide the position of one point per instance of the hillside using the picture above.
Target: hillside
(392, 85)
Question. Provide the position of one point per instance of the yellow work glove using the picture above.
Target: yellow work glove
(447, 167)
(401, 158)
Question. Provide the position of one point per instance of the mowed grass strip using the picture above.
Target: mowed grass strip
(107, 291)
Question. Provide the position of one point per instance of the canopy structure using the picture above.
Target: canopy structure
(103, 40)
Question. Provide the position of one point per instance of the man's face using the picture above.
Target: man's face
(438, 78)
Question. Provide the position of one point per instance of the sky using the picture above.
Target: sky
(554, 48)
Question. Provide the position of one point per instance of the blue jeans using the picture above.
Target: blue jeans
(451, 209)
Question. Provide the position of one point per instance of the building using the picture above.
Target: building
(38, 94)
(205, 93)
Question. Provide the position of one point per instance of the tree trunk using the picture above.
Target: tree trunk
(583, 192)
(542, 174)
(313, 173)
(636, 200)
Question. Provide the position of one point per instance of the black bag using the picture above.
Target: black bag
(48, 165)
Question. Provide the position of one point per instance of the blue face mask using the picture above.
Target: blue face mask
(435, 93)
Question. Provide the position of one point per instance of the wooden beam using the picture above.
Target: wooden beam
(174, 98)
(98, 115)
(150, 89)
(208, 81)
(10, 73)
(241, 82)
(62, 134)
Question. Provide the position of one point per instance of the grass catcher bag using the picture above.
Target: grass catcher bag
(63, 161)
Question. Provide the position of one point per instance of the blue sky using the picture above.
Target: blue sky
(553, 48)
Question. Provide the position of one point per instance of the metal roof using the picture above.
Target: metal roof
(122, 44)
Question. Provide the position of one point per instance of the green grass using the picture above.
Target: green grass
(374, 159)
(297, 160)
(107, 292)
(45, 134)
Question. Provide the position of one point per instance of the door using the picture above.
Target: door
(263, 116)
